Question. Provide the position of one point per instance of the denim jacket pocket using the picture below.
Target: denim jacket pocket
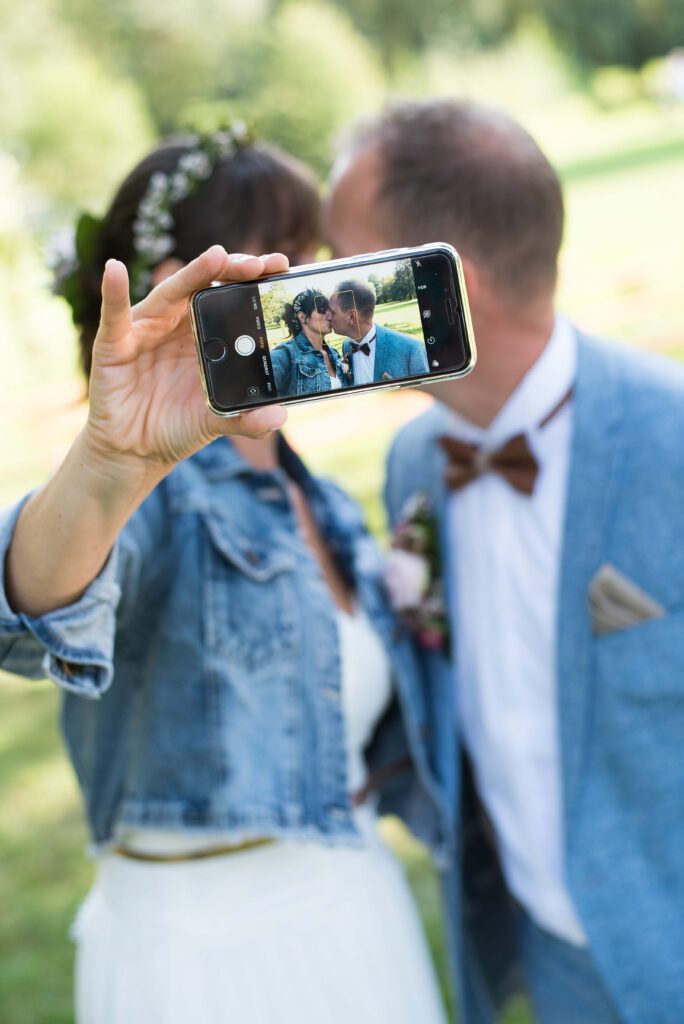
(309, 369)
(250, 597)
(252, 556)
(312, 377)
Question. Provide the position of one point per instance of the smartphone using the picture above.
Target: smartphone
(378, 321)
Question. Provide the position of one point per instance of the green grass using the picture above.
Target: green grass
(394, 316)
(45, 873)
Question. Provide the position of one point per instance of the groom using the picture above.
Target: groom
(373, 352)
(554, 717)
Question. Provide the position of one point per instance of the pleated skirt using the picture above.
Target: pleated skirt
(288, 933)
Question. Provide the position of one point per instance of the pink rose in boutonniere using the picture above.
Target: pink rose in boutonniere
(345, 366)
(412, 574)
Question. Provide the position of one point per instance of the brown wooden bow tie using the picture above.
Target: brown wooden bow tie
(514, 461)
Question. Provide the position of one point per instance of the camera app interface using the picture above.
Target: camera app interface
(332, 330)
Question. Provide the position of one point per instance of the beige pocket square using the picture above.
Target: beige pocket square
(615, 602)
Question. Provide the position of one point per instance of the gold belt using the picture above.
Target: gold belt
(176, 858)
(357, 800)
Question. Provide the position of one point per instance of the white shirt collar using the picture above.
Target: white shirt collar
(544, 385)
(368, 337)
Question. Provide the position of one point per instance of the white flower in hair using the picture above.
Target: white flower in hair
(178, 187)
(153, 226)
(156, 247)
(196, 164)
(60, 256)
(157, 184)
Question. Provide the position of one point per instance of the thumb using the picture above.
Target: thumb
(255, 424)
(115, 316)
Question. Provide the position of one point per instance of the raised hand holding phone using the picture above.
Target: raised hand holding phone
(146, 413)
(145, 395)
(385, 319)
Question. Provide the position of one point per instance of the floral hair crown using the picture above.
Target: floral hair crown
(153, 225)
(309, 294)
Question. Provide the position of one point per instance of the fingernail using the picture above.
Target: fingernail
(241, 257)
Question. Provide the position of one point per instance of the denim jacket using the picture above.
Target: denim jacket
(300, 369)
(201, 668)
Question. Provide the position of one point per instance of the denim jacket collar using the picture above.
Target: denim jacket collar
(302, 344)
(304, 347)
(221, 460)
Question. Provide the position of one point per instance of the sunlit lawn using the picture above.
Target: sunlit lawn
(622, 273)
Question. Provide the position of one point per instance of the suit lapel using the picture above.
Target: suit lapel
(441, 670)
(380, 364)
(593, 476)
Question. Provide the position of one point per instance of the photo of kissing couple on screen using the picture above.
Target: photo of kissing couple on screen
(346, 335)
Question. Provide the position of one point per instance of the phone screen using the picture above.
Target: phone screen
(344, 326)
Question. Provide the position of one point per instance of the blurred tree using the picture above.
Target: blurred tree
(593, 33)
(405, 30)
(75, 128)
(400, 287)
(77, 152)
(175, 51)
(378, 286)
(397, 29)
(317, 73)
(297, 75)
(272, 304)
(606, 32)
(396, 287)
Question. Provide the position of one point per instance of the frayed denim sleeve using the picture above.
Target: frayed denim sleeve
(73, 645)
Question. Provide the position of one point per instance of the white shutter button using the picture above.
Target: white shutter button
(245, 345)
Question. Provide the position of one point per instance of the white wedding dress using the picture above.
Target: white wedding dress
(287, 933)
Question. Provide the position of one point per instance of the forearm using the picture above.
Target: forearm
(67, 529)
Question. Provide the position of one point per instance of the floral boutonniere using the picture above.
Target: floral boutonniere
(346, 367)
(413, 574)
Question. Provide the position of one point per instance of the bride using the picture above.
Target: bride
(215, 618)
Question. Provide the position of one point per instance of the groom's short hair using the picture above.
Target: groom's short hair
(355, 294)
(468, 174)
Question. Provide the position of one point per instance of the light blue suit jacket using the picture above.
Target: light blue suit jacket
(396, 355)
(620, 695)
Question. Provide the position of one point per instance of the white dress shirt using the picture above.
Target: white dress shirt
(363, 366)
(507, 567)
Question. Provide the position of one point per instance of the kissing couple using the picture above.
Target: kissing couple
(306, 364)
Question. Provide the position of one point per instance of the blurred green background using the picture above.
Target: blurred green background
(85, 90)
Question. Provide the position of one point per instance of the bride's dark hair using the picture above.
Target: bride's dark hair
(259, 196)
(305, 302)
